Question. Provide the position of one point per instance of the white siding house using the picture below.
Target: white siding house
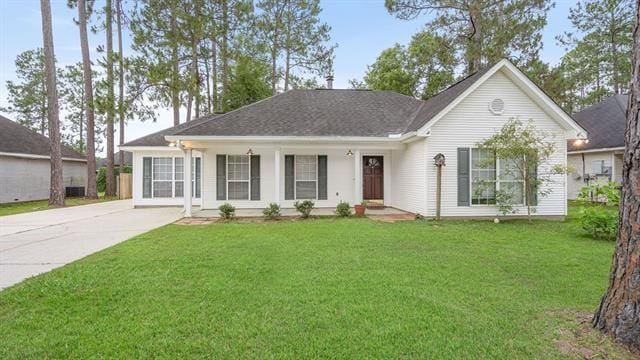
(350, 145)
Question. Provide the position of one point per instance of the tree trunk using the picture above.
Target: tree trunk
(619, 311)
(43, 112)
(225, 54)
(88, 100)
(175, 73)
(121, 112)
(207, 74)
(56, 188)
(214, 75)
(111, 178)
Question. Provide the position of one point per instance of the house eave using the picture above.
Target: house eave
(574, 152)
(42, 157)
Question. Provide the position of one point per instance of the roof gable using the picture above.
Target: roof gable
(522, 81)
(17, 139)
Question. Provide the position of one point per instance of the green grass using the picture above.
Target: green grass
(324, 288)
(29, 206)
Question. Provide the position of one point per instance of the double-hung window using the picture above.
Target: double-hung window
(162, 177)
(490, 174)
(306, 176)
(483, 177)
(238, 176)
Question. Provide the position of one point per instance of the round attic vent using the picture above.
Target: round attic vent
(496, 106)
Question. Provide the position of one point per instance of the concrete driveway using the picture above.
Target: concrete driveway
(36, 242)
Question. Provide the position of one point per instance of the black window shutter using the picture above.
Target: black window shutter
(221, 177)
(322, 177)
(463, 177)
(255, 177)
(146, 177)
(289, 177)
(197, 181)
(532, 187)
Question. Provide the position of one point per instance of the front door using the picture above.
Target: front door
(373, 177)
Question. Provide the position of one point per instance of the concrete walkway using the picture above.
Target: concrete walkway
(37, 242)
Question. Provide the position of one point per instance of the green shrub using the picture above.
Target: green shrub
(272, 211)
(101, 178)
(227, 211)
(343, 209)
(599, 222)
(608, 193)
(304, 207)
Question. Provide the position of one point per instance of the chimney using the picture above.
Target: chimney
(330, 82)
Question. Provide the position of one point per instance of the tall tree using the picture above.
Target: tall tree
(605, 36)
(305, 40)
(28, 96)
(484, 30)
(619, 311)
(110, 174)
(56, 188)
(270, 24)
(88, 100)
(392, 71)
(249, 82)
(157, 38)
(121, 109)
(72, 94)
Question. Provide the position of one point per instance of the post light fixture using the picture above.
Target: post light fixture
(349, 153)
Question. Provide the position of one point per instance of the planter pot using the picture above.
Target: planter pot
(359, 209)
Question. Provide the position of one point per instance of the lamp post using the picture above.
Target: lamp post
(439, 162)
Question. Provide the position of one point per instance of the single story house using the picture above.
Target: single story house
(333, 145)
(25, 168)
(598, 159)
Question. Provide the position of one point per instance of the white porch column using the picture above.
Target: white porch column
(357, 191)
(276, 166)
(187, 182)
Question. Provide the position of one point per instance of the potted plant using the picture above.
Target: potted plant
(360, 208)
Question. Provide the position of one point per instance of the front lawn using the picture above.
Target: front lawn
(29, 206)
(325, 288)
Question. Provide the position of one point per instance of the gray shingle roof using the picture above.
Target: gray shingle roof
(17, 139)
(605, 123)
(321, 112)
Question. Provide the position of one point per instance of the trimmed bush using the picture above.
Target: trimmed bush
(600, 222)
(272, 211)
(304, 207)
(343, 209)
(227, 211)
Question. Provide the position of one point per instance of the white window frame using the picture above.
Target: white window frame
(238, 181)
(497, 181)
(295, 178)
(173, 177)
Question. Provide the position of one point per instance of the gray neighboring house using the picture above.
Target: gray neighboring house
(24, 164)
(599, 159)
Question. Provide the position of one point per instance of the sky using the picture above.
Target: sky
(361, 28)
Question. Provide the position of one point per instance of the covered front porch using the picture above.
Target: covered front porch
(252, 175)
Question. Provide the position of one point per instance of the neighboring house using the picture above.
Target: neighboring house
(598, 159)
(25, 169)
(128, 160)
(351, 145)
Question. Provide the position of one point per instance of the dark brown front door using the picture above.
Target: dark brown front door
(373, 177)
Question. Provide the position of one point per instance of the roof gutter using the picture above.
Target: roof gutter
(595, 150)
(390, 138)
(33, 156)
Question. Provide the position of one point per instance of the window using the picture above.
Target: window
(162, 177)
(489, 175)
(179, 177)
(306, 176)
(510, 180)
(483, 177)
(167, 177)
(238, 169)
